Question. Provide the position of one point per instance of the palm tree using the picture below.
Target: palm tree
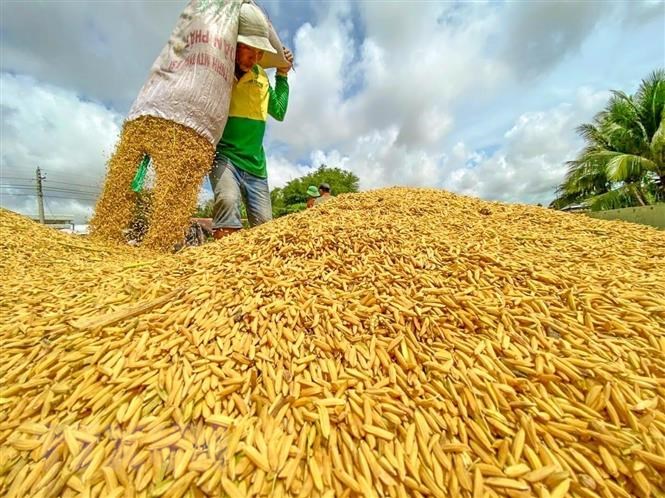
(623, 162)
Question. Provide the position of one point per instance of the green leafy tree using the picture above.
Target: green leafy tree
(623, 162)
(204, 210)
(293, 197)
(277, 202)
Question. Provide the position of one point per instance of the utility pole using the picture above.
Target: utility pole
(40, 196)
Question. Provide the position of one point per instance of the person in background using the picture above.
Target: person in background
(239, 168)
(312, 194)
(324, 191)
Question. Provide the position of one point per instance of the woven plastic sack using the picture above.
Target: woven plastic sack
(190, 82)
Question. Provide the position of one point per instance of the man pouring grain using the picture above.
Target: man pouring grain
(177, 119)
(239, 169)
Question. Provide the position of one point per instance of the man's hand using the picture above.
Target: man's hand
(282, 71)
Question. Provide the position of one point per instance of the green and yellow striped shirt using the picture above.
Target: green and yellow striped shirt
(252, 100)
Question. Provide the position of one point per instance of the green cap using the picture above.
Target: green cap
(312, 191)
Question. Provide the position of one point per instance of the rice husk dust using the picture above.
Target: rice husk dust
(181, 157)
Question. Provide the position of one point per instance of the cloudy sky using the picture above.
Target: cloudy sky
(480, 98)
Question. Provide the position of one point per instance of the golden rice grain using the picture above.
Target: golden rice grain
(390, 343)
(180, 157)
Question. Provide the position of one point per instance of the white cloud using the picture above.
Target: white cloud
(531, 162)
(424, 93)
(376, 158)
(543, 33)
(527, 167)
(417, 66)
(641, 12)
(70, 139)
(383, 107)
(282, 171)
(317, 113)
(415, 73)
(100, 49)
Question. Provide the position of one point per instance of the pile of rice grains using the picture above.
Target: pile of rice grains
(180, 157)
(398, 342)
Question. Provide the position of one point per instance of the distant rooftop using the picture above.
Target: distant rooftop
(56, 221)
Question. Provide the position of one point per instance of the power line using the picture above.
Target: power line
(60, 190)
(23, 182)
(57, 197)
(64, 177)
(50, 189)
(46, 180)
(16, 178)
(75, 190)
(78, 197)
(49, 208)
(31, 187)
(74, 184)
(71, 190)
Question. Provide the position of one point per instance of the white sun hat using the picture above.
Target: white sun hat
(253, 29)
